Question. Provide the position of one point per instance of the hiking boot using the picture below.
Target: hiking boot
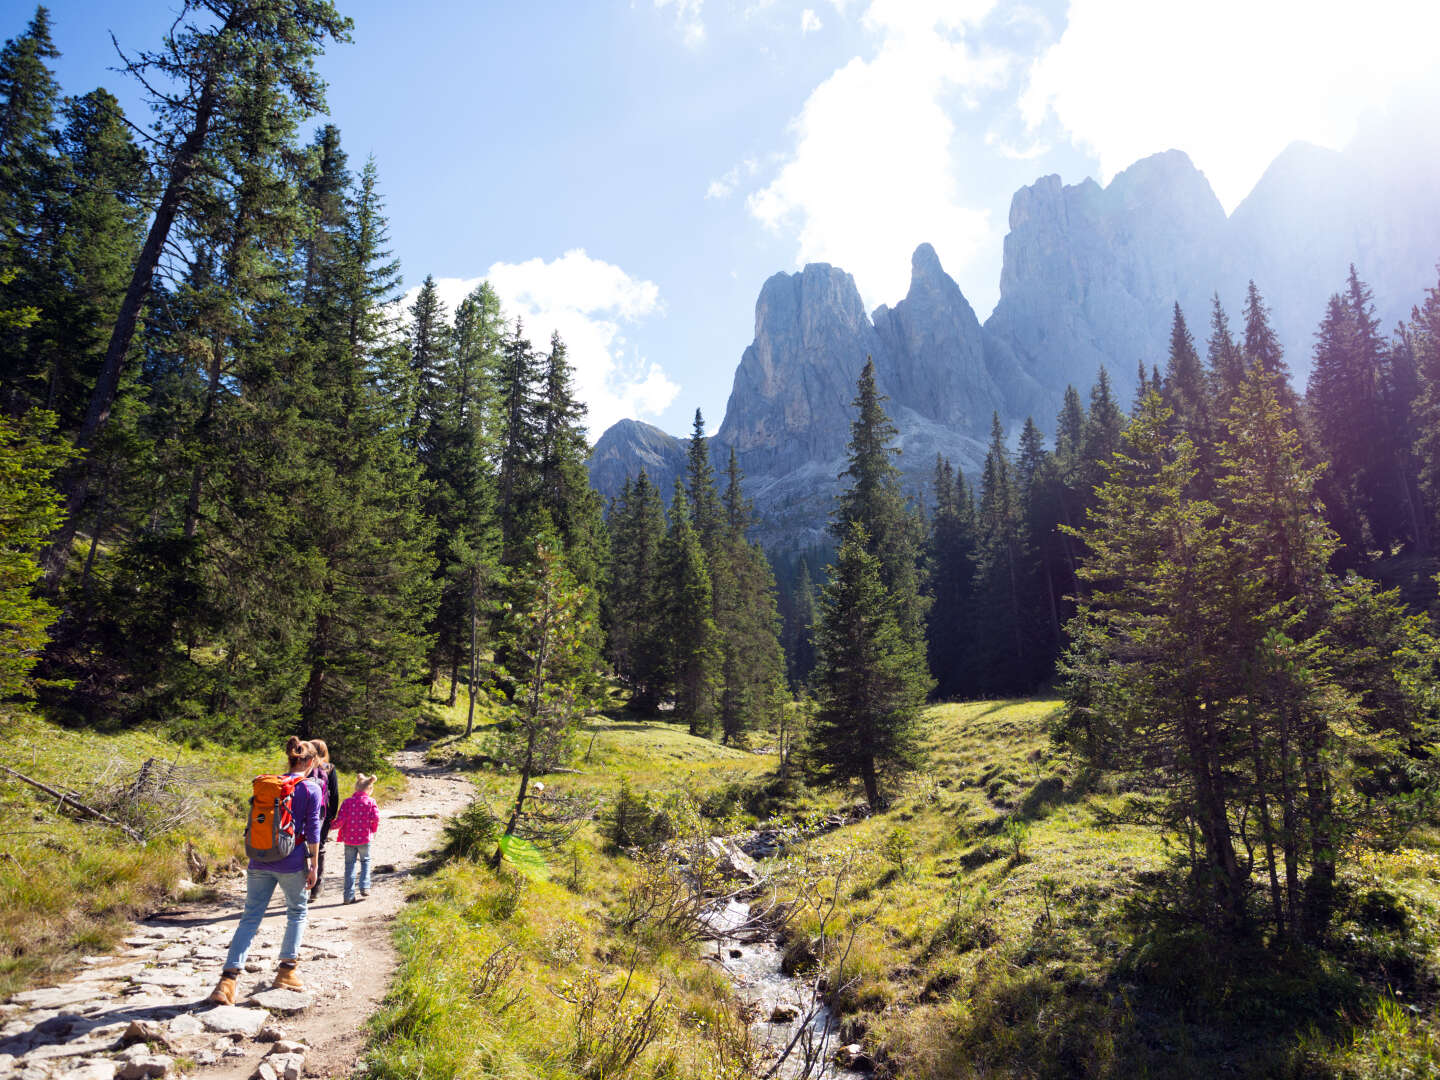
(224, 992)
(364, 892)
(287, 979)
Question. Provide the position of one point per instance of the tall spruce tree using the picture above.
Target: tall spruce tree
(875, 501)
(690, 631)
(950, 621)
(1000, 594)
(752, 664)
(636, 642)
(870, 677)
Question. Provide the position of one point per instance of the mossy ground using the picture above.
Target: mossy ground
(70, 887)
(1012, 923)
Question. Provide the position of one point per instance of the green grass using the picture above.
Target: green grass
(554, 924)
(1034, 934)
(70, 887)
(1009, 923)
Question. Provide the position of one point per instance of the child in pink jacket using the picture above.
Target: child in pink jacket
(358, 821)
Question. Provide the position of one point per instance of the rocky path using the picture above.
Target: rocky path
(141, 1012)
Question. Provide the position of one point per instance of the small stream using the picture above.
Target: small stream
(756, 972)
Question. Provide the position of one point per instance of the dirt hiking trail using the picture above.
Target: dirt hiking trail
(141, 1012)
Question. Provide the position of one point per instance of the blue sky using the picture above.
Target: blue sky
(631, 171)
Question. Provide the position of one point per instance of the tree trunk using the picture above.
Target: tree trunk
(474, 652)
(514, 821)
(1267, 831)
(102, 398)
(1320, 895)
(872, 784)
(1290, 821)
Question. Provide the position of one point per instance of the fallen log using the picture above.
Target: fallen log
(66, 799)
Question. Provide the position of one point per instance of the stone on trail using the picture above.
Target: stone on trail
(169, 977)
(184, 1025)
(271, 1031)
(148, 1065)
(96, 1070)
(115, 971)
(280, 1067)
(287, 1046)
(54, 1051)
(53, 997)
(144, 1031)
(228, 1019)
(283, 1001)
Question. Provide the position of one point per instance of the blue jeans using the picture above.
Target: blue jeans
(259, 887)
(352, 853)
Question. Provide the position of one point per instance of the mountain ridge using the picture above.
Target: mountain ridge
(1090, 276)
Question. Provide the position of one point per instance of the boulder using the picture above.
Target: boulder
(144, 1066)
(731, 861)
(95, 1070)
(236, 1019)
(144, 1031)
(284, 1002)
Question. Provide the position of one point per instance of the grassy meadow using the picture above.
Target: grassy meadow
(1012, 919)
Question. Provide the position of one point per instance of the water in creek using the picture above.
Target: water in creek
(757, 975)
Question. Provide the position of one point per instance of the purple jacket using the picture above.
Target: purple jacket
(307, 805)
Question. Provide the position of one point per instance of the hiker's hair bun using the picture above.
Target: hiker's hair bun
(298, 750)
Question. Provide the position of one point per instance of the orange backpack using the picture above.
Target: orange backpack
(270, 830)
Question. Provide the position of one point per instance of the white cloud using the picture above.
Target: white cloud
(872, 172)
(687, 17)
(809, 21)
(1231, 82)
(724, 186)
(585, 301)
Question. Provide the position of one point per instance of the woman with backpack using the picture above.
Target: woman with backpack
(282, 838)
(330, 780)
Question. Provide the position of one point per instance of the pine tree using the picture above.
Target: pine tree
(461, 500)
(875, 501)
(689, 624)
(870, 677)
(999, 569)
(373, 547)
(752, 664)
(546, 635)
(636, 644)
(517, 437)
(1225, 366)
(29, 96)
(429, 365)
(96, 237)
(700, 486)
(802, 649)
(950, 631)
(1262, 347)
(561, 479)
(1184, 390)
(1146, 672)
(1424, 339)
(29, 511)
(215, 59)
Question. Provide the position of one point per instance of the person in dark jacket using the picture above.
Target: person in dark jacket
(294, 874)
(330, 779)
